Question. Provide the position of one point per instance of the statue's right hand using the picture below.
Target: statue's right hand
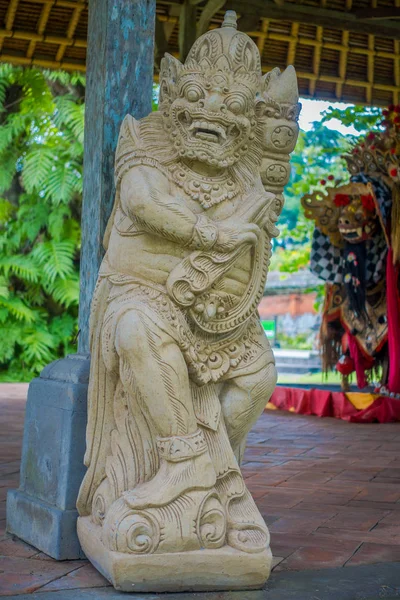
(233, 235)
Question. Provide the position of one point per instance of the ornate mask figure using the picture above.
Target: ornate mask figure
(181, 367)
(356, 236)
(357, 217)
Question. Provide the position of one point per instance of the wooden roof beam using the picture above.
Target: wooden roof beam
(322, 17)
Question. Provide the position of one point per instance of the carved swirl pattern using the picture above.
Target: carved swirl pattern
(141, 532)
(134, 532)
(99, 509)
(248, 537)
(211, 525)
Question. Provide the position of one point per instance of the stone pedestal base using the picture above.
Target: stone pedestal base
(193, 571)
(43, 526)
(43, 511)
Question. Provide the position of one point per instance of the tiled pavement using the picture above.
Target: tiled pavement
(329, 491)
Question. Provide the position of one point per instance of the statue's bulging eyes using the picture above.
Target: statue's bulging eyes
(236, 104)
(193, 93)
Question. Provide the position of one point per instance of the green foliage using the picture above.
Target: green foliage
(362, 118)
(41, 153)
(301, 341)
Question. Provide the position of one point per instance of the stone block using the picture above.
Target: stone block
(42, 511)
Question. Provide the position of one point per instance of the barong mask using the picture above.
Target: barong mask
(346, 214)
(357, 217)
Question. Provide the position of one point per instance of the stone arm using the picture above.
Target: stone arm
(145, 198)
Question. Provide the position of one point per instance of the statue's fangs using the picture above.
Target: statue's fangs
(181, 368)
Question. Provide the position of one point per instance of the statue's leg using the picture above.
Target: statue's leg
(243, 400)
(154, 372)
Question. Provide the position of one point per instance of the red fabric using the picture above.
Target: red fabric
(393, 316)
(345, 365)
(335, 404)
(359, 361)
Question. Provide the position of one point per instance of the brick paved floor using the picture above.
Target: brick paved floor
(328, 490)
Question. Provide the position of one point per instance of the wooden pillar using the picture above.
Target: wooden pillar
(119, 81)
(187, 28)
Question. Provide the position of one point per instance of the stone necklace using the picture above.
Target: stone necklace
(204, 189)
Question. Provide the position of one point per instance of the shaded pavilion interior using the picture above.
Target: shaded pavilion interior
(343, 50)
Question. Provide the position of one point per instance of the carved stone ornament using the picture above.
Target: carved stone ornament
(181, 368)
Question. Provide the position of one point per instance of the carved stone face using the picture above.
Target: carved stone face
(356, 222)
(213, 117)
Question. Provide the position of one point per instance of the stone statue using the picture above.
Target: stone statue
(181, 368)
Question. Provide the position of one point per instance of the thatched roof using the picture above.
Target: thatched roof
(342, 49)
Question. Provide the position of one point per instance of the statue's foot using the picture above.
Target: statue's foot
(185, 465)
(247, 530)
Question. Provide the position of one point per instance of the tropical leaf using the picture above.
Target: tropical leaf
(65, 291)
(63, 329)
(24, 266)
(36, 92)
(61, 183)
(56, 221)
(56, 258)
(6, 75)
(15, 125)
(4, 291)
(33, 216)
(10, 334)
(8, 161)
(38, 164)
(72, 114)
(17, 309)
(6, 210)
(38, 344)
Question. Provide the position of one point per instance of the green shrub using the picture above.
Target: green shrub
(41, 155)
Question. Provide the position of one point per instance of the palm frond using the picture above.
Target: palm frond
(6, 78)
(63, 328)
(38, 163)
(65, 291)
(4, 291)
(11, 333)
(61, 183)
(6, 210)
(72, 114)
(8, 161)
(56, 258)
(18, 309)
(38, 346)
(33, 215)
(24, 266)
(14, 126)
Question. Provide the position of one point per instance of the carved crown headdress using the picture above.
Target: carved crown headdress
(226, 49)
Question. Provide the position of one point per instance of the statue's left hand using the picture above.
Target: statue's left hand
(232, 235)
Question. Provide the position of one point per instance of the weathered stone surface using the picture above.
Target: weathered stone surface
(181, 368)
(43, 510)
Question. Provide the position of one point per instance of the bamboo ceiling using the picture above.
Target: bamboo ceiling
(344, 50)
